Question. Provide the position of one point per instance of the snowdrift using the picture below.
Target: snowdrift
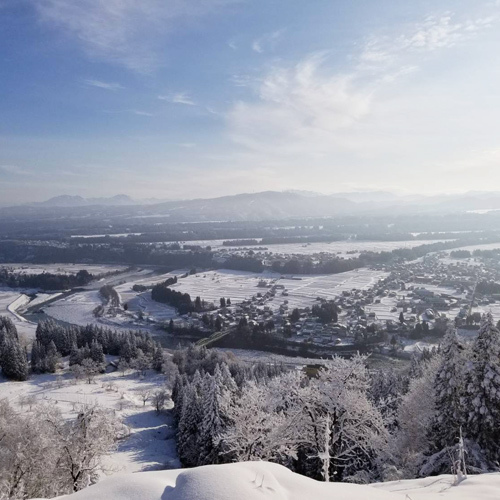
(258, 480)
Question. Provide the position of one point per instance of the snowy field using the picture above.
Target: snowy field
(257, 480)
(10, 302)
(212, 285)
(150, 443)
(63, 268)
(76, 309)
(144, 303)
(486, 246)
(302, 292)
(336, 247)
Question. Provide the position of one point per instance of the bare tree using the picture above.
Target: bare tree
(159, 399)
(145, 395)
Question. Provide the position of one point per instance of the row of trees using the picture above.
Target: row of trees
(44, 281)
(82, 344)
(181, 301)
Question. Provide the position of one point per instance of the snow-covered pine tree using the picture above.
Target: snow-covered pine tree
(97, 353)
(13, 359)
(212, 422)
(158, 357)
(483, 390)
(36, 357)
(51, 358)
(187, 431)
(449, 392)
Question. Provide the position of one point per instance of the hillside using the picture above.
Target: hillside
(257, 480)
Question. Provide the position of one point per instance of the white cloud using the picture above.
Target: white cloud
(142, 113)
(434, 33)
(103, 85)
(126, 32)
(178, 98)
(383, 110)
(267, 41)
(299, 105)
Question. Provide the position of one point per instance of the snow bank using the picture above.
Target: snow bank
(479, 487)
(257, 480)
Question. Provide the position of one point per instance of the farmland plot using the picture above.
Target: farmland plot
(303, 291)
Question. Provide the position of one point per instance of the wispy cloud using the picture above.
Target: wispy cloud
(434, 33)
(14, 170)
(142, 113)
(127, 32)
(178, 98)
(325, 115)
(103, 85)
(266, 41)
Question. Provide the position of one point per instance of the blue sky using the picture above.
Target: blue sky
(199, 98)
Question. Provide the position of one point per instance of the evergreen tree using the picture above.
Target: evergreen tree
(75, 357)
(51, 358)
(13, 359)
(212, 423)
(189, 420)
(97, 353)
(158, 358)
(449, 392)
(483, 389)
(36, 357)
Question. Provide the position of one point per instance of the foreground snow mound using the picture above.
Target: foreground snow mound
(240, 481)
(258, 480)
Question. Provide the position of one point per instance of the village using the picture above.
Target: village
(410, 308)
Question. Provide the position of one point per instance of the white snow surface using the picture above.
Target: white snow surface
(150, 441)
(258, 480)
(10, 301)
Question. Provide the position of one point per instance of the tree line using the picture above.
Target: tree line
(44, 281)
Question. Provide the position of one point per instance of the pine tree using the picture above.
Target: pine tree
(449, 391)
(75, 357)
(158, 358)
(187, 433)
(13, 359)
(36, 357)
(97, 354)
(213, 404)
(51, 358)
(483, 389)
(126, 352)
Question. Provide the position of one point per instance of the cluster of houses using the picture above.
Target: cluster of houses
(422, 296)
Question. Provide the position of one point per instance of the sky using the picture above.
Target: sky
(175, 99)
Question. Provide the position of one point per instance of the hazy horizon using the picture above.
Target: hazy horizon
(200, 99)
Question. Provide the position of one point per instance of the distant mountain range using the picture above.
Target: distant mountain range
(276, 205)
(78, 201)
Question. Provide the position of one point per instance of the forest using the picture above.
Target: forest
(345, 423)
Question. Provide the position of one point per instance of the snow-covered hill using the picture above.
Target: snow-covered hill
(262, 480)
